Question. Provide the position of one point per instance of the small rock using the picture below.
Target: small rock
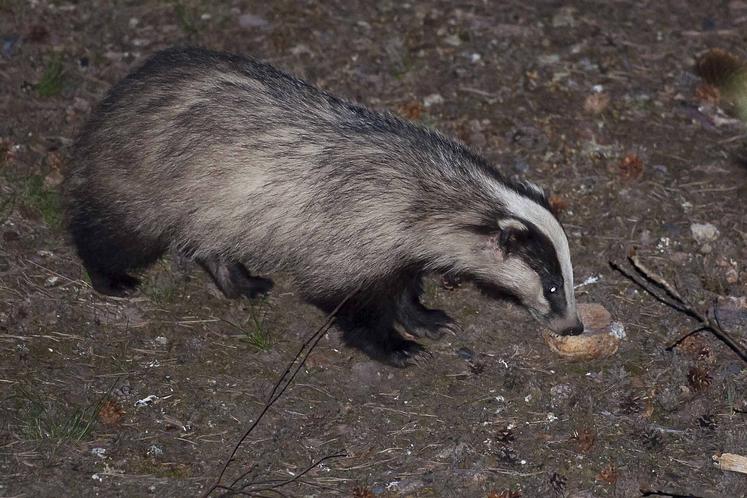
(704, 232)
(147, 401)
(248, 21)
(661, 169)
(433, 99)
(161, 340)
(564, 18)
(646, 238)
(617, 329)
(52, 281)
(465, 353)
(453, 40)
(732, 276)
(301, 48)
(548, 59)
(559, 394)
(99, 452)
(9, 45)
(453, 452)
(123, 391)
(154, 451)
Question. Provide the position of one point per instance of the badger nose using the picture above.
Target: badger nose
(576, 329)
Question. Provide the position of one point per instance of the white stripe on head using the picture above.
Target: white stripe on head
(523, 207)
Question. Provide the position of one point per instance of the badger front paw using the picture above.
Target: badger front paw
(408, 353)
(432, 324)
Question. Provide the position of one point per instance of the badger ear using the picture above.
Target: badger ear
(510, 234)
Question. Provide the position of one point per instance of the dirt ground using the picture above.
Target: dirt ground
(596, 101)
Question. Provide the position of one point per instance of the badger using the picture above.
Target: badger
(249, 171)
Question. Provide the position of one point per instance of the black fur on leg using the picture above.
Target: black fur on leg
(234, 280)
(367, 322)
(120, 285)
(109, 251)
(418, 320)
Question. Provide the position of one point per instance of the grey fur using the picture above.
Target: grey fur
(230, 160)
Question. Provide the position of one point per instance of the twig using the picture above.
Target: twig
(643, 286)
(277, 391)
(651, 492)
(656, 279)
(676, 343)
(301, 474)
(675, 301)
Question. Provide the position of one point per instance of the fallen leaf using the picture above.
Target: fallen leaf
(110, 413)
(608, 474)
(557, 204)
(585, 440)
(411, 110)
(631, 167)
(596, 103)
(696, 347)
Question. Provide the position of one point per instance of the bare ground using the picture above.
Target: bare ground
(495, 411)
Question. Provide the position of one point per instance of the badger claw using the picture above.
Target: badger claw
(433, 324)
(408, 353)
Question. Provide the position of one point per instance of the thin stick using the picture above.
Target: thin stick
(643, 286)
(275, 395)
(679, 304)
(663, 284)
(305, 471)
(676, 343)
(651, 492)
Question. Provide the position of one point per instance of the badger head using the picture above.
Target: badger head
(523, 252)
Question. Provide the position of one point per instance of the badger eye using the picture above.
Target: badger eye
(553, 289)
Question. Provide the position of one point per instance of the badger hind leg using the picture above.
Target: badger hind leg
(234, 280)
(419, 320)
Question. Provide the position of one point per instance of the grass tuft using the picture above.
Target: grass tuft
(40, 421)
(255, 330)
(51, 81)
(44, 200)
(186, 19)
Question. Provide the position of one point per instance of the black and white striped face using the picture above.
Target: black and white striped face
(535, 262)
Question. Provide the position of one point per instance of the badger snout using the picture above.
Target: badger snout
(576, 329)
(573, 326)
